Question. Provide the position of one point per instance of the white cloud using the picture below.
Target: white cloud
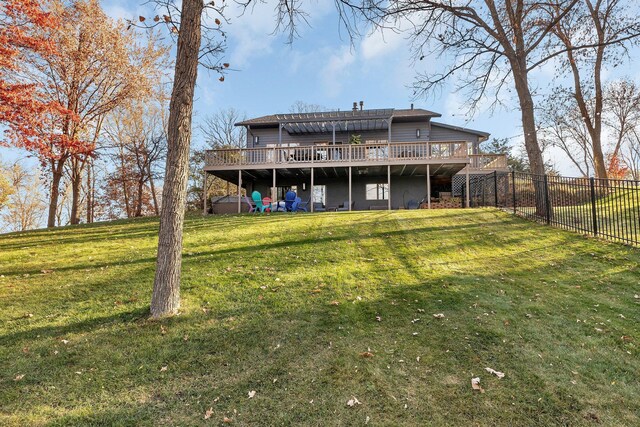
(382, 43)
(337, 67)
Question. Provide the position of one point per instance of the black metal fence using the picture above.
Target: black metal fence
(605, 208)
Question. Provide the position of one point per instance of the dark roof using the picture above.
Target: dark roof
(461, 129)
(328, 116)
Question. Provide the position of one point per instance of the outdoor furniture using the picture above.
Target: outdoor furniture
(252, 206)
(259, 201)
(412, 204)
(289, 198)
(318, 207)
(266, 203)
(299, 205)
(345, 206)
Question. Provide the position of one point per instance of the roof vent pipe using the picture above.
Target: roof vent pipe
(355, 106)
(361, 105)
(412, 105)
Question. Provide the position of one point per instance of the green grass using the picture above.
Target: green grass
(547, 307)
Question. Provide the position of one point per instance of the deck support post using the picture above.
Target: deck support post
(466, 176)
(311, 195)
(349, 188)
(429, 186)
(239, 190)
(389, 187)
(204, 194)
(273, 189)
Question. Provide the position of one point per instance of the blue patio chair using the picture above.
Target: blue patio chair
(297, 205)
(303, 206)
(318, 207)
(289, 199)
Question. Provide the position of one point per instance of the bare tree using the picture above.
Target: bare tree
(25, 205)
(492, 44)
(606, 29)
(219, 129)
(305, 107)
(564, 128)
(622, 111)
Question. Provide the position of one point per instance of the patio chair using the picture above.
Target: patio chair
(345, 206)
(252, 206)
(302, 206)
(318, 207)
(289, 199)
(258, 200)
(413, 204)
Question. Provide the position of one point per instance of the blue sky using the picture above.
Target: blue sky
(322, 67)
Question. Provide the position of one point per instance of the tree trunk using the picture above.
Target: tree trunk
(140, 196)
(56, 177)
(166, 286)
(89, 194)
(156, 209)
(77, 167)
(534, 153)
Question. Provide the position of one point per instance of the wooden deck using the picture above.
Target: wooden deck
(396, 153)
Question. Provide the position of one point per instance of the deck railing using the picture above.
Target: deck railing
(488, 161)
(342, 153)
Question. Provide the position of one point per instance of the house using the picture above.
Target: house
(356, 159)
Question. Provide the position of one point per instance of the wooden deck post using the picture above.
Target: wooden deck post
(204, 193)
(429, 186)
(389, 187)
(273, 188)
(467, 185)
(311, 196)
(349, 188)
(239, 190)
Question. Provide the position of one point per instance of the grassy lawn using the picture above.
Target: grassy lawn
(313, 310)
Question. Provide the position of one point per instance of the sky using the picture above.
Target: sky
(323, 67)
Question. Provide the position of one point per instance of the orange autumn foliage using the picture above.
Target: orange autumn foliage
(26, 115)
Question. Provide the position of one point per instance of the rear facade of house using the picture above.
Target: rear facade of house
(355, 160)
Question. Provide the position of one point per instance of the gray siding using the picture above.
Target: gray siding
(400, 132)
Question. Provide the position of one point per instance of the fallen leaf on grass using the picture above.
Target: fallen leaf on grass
(475, 384)
(208, 413)
(439, 316)
(626, 338)
(334, 303)
(28, 315)
(19, 377)
(353, 402)
(45, 271)
(252, 393)
(226, 420)
(164, 368)
(496, 373)
(163, 330)
(65, 341)
(366, 354)
(378, 319)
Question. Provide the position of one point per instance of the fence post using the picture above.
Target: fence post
(495, 187)
(592, 184)
(546, 199)
(462, 197)
(513, 182)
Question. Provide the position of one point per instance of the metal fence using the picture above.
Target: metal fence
(605, 208)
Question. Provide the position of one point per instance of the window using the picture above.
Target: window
(281, 191)
(320, 194)
(377, 191)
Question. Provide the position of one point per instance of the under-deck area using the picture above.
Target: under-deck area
(346, 188)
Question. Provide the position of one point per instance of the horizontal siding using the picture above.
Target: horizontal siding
(443, 134)
(400, 132)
